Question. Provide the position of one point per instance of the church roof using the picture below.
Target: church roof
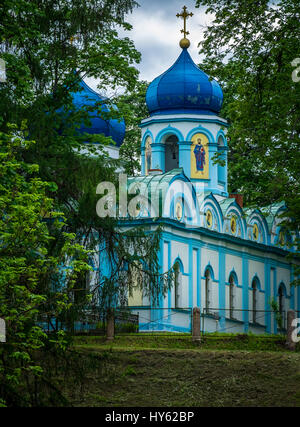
(184, 88)
(155, 182)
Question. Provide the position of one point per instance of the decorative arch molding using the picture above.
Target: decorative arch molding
(275, 222)
(147, 133)
(256, 216)
(255, 279)
(186, 208)
(222, 134)
(180, 263)
(211, 271)
(211, 202)
(283, 287)
(234, 208)
(181, 187)
(235, 278)
(170, 130)
(287, 242)
(200, 129)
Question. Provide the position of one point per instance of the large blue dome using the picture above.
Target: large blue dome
(113, 127)
(184, 88)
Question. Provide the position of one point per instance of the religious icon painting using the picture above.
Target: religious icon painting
(179, 210)
(148, 155)
(209, 219)
(233, 225)
(255, 232)
(199, 157)
(281, 238)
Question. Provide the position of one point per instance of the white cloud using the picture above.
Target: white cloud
(156, 34)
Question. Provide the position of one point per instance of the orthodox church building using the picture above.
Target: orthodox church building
(229, 261)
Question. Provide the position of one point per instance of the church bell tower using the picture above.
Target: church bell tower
(184, 129)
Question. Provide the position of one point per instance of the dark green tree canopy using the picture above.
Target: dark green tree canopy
(249, 47)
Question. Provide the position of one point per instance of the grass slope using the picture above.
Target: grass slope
(168, 371)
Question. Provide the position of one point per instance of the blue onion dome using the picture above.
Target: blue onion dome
(184, 88)
(112, 127)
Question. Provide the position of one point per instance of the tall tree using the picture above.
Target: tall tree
(27, 263)
(48, 47)
(134, 109)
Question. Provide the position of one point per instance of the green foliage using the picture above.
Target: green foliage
(53, 64)
(28, 270)
(278, 317)
(48, 188)
(209, 341)
(134, 109)
(133, 260)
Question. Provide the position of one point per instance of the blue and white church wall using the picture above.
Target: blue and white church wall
(231, 261)
(207, 263)
(169, 143)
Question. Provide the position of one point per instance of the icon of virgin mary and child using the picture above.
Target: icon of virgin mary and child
(199, 155)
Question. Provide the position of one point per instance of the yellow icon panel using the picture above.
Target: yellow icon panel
(199, 157)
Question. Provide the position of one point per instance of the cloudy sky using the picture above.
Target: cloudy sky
(156, 34)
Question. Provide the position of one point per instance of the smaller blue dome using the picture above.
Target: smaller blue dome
(184, 88)
(113, 127)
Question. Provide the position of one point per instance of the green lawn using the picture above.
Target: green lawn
(172, 371)
(184, 341)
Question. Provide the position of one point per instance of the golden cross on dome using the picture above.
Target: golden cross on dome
(73, 38)
(184, 15)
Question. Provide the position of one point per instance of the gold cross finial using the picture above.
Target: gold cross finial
(72, 39)
(184, 43)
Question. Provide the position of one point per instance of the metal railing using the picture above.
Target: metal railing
(158, 320)
(233, 320)
(163, 320)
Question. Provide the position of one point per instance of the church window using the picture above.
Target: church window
(222, 161)
(281, 299)
(148, 155)
(254, 301)
(135, 276)
(207, 290)
(177, 286)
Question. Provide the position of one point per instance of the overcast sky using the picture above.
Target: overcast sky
(156, 34)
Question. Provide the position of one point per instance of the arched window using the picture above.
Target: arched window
(171, 153)
(221, 165)
(207, 290)
(148, 155)
(177, 286)
(231, 296)
(84, 283)
(281, 295)
(254, 300)
(135, 278)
